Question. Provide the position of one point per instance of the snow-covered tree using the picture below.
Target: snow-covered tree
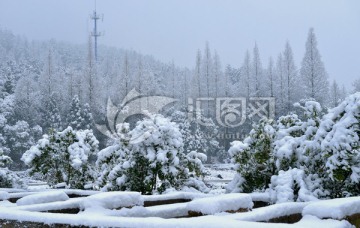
(290, 73)
(52, 117)
(75, 118)
(252, 158)
(8, 179)
(64, 157)
(356, 85)
(87, 117)
(246, 74)
(338, 136)
(148, 158)
(335, 94)
(313, 71)
(20, 137)
(257, 72)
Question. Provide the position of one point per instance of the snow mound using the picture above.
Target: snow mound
(335, 208)
(43, 197)
(260, 196)
(112, 200)
(174, 195)
(221, 203)
(312, 221)
(263, 214)
(4, 195)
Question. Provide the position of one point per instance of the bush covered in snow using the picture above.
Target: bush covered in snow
(64, 157)
(253, 157)
(302, 158)
(148, 158)
(8, 178)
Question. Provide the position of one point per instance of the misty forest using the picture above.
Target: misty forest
(90, 128)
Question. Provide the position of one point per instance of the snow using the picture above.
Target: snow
(220, 203)
(174, 195)
(43, 197)
(112, 200)
(162, 211)
(260, 196)
(113, 221)
(98, 210)
(269, 212)
(4, 195)
(312, 221)
(335, 208)
(282, 187)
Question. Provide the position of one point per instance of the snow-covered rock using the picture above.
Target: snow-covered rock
(4, 195)
(221, 203)
(43, 197)
(112, 200)
(335, 208)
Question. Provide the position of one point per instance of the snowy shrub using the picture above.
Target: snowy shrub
(294, 145)
(8, 179)
(194, 135)
(293, 185)
(253, 157)
(148, 158)
(20, 137)
(63, 157)
(338, 137)
(272, 149)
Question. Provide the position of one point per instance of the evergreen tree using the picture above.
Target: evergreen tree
(253, 158)
(75, 117)
(313, 72)
(52, 118)
(64, 157)
(151, 152)
(87, 118)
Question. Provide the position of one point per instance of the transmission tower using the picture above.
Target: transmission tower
(95, 17)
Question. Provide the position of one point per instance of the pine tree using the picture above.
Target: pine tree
(313, 72)
(64, 157)
(290, 74)
(151, 152)
(257, 72)
(246, 74)
(335, 94)
(75, 117)
(52, 118)
(253, 159)
(87, 118)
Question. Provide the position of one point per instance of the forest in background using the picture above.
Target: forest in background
(51, 85)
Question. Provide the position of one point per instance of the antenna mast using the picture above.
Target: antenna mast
(95, 17)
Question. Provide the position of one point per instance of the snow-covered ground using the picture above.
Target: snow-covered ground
(218, 175)
(126, 209)
(42, 205)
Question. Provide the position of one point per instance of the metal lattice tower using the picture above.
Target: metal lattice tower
(95, 17)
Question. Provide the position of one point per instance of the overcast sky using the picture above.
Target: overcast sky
(175, 29)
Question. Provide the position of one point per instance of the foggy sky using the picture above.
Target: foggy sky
(175, 29)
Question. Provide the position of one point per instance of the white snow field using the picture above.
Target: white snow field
(126, 209)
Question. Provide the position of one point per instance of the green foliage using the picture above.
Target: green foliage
(148, 159)
(253, 157)
(64, 157)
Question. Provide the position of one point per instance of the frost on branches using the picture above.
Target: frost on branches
(150, 158)
(8, 179)
(64, 157)
(275, 157)
(253, 158)
(339, 137)
(315, 156)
